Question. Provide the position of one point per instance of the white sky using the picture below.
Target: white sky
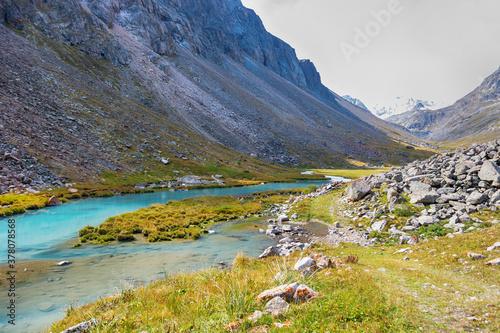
(437, 50)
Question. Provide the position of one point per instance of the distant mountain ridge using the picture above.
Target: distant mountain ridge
(477, 115)
(402, 105)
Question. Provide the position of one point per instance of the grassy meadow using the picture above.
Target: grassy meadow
(437, 289)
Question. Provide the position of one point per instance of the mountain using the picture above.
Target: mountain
(93, 87)
(402, 105)
(477, 116)
(355, 101)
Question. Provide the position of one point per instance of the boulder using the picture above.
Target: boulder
(54, 201)
(276, 306)
(285, 291)
(463, 167)
(357, 190)
(304, 263)
(271, 251)
(476, 198)
(489, 172)
(322, 261)
(304, 293)
(427, 220)
(424, 197)
(379, 225)
(283, 218)
(419, 187)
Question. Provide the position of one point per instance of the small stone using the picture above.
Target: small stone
(54, 201)
(304, 263)
(285, 291)
(63, 263)
(82, 327)
(304, 293)
(256, 316)
(276, 306)
(475, 256)
(494, 247)
(233, 327)
(494, 262)
(286, 324)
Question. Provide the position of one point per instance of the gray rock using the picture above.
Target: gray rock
(276, 306)
(379, 225)
(494, 247)
(357, 190)
(424, 197)
(82, 327)
(463, 167)
(283, 218)
(494, 262)
(427, 220)
(303, 263)
(419, 187)
(476, 198)
(271, 251)
(475, 256)
(489, 172)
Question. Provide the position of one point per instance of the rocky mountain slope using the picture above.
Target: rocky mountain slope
(89, 87)
(476, 115)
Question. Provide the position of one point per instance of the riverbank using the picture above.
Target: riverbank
(434, 290)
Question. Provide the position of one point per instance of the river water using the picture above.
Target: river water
(46, 236)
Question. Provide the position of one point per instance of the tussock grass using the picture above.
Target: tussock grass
(188, 218)
(18, 203)
(433, 291)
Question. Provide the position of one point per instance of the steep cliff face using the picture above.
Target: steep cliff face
(128, 80)
(476, 115)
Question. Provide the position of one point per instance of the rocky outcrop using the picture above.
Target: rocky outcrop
(451, 186)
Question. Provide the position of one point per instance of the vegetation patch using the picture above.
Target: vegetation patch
(186, 219)
(432, 287)
(11, 204)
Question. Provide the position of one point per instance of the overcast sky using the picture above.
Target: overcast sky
(437, 50)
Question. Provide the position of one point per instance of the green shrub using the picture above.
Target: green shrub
(87, 230)
(125, 237)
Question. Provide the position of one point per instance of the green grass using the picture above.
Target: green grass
(433, 291)
(19, 203)
(187, 219)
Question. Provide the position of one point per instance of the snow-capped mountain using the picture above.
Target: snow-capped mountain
(355, 101)
(401, 105)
